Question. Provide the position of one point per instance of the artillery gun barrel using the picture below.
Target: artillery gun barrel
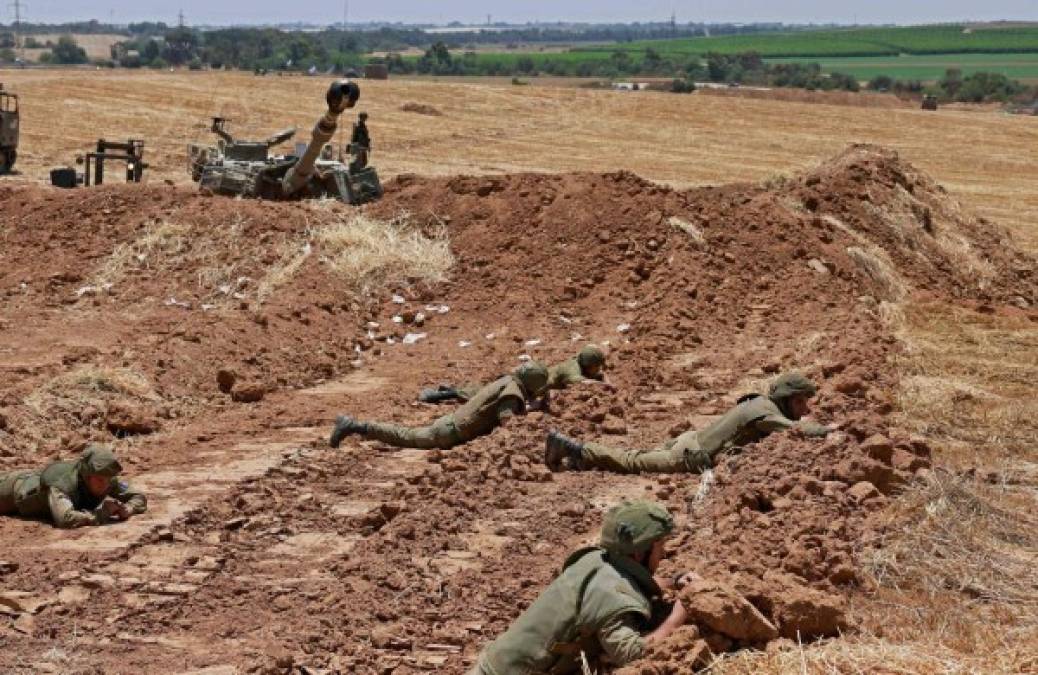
(341, 95)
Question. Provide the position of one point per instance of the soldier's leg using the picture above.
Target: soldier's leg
(7, 505)
(440, 434)
(440, 394)
(660, 460)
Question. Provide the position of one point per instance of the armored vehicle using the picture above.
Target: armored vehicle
(929, 102)
(246, 168)
(8, 130)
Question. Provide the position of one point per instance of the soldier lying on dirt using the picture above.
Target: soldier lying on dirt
(72, 494)
(492, 405)
(587, 365)
(754, 417)
(600, 605)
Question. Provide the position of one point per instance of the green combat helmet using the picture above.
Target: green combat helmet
(590, 356)
(98, 460)
(791, 384)
(631, 528)
(533, 376)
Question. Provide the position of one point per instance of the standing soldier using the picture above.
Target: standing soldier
(599, 607)
(754, 417)
(492, 405)
(72, 494)
(360, 143)
(588, 364)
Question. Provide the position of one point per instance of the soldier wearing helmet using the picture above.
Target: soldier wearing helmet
(72, 494)
(360, 143)
(753, 417)
(600, 606)
(492, 405)
(587, 366)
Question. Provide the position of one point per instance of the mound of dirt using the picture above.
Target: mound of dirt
(369, 560)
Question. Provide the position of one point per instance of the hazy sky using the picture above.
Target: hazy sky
(442, 11)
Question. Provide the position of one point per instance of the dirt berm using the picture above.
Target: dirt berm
(371, 560)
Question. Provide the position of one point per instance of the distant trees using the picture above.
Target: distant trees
(881, 83)
(65, 52)
(980, 87)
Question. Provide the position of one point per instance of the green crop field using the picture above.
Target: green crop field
(926, 67)
(950, 39)
(906, 53)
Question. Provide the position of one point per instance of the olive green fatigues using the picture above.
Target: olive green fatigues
(560, 376)
(567, 373)
(695, 451)
(58, 493)
(480, 415)
(600, 604)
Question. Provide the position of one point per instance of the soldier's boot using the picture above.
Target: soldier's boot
(437, 395)
(562, 452)
(345, 426)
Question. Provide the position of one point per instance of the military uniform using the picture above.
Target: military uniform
(59, 491)
(753, 418)
(599, 606)
(568, 373)
(494, 403)
(561, 375)
(360, 144)
(503, 398)
(695, 451)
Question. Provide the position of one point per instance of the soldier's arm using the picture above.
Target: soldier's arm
(64, 513)
(543, 403)
(509, 408)
(770, 423)
(135, 501)
(813, 429)
(621, 641)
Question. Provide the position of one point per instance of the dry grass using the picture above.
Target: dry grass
(367, 253)
(490, 127)
(875, 262)
(166, 247)
(969, 383)
(964, 536)
(85, 386)
(155, 249)
(861, 654)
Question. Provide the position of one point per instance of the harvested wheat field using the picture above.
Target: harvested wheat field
(710, 242)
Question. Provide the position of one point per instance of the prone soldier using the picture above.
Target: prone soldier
(753, 417)
(491, 406)
(73, 494)
(588, 365)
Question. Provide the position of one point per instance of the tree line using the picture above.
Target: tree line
(158, 46)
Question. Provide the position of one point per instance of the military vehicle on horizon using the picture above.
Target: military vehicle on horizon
(9, 117)
(246, 168)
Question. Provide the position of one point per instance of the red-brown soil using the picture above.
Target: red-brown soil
(265, 550)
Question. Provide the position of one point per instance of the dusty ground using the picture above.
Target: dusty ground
(910, 531)
(985, 159)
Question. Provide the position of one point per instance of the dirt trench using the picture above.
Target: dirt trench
(213, 342)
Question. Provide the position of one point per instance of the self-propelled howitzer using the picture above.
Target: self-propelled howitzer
(306, 176)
